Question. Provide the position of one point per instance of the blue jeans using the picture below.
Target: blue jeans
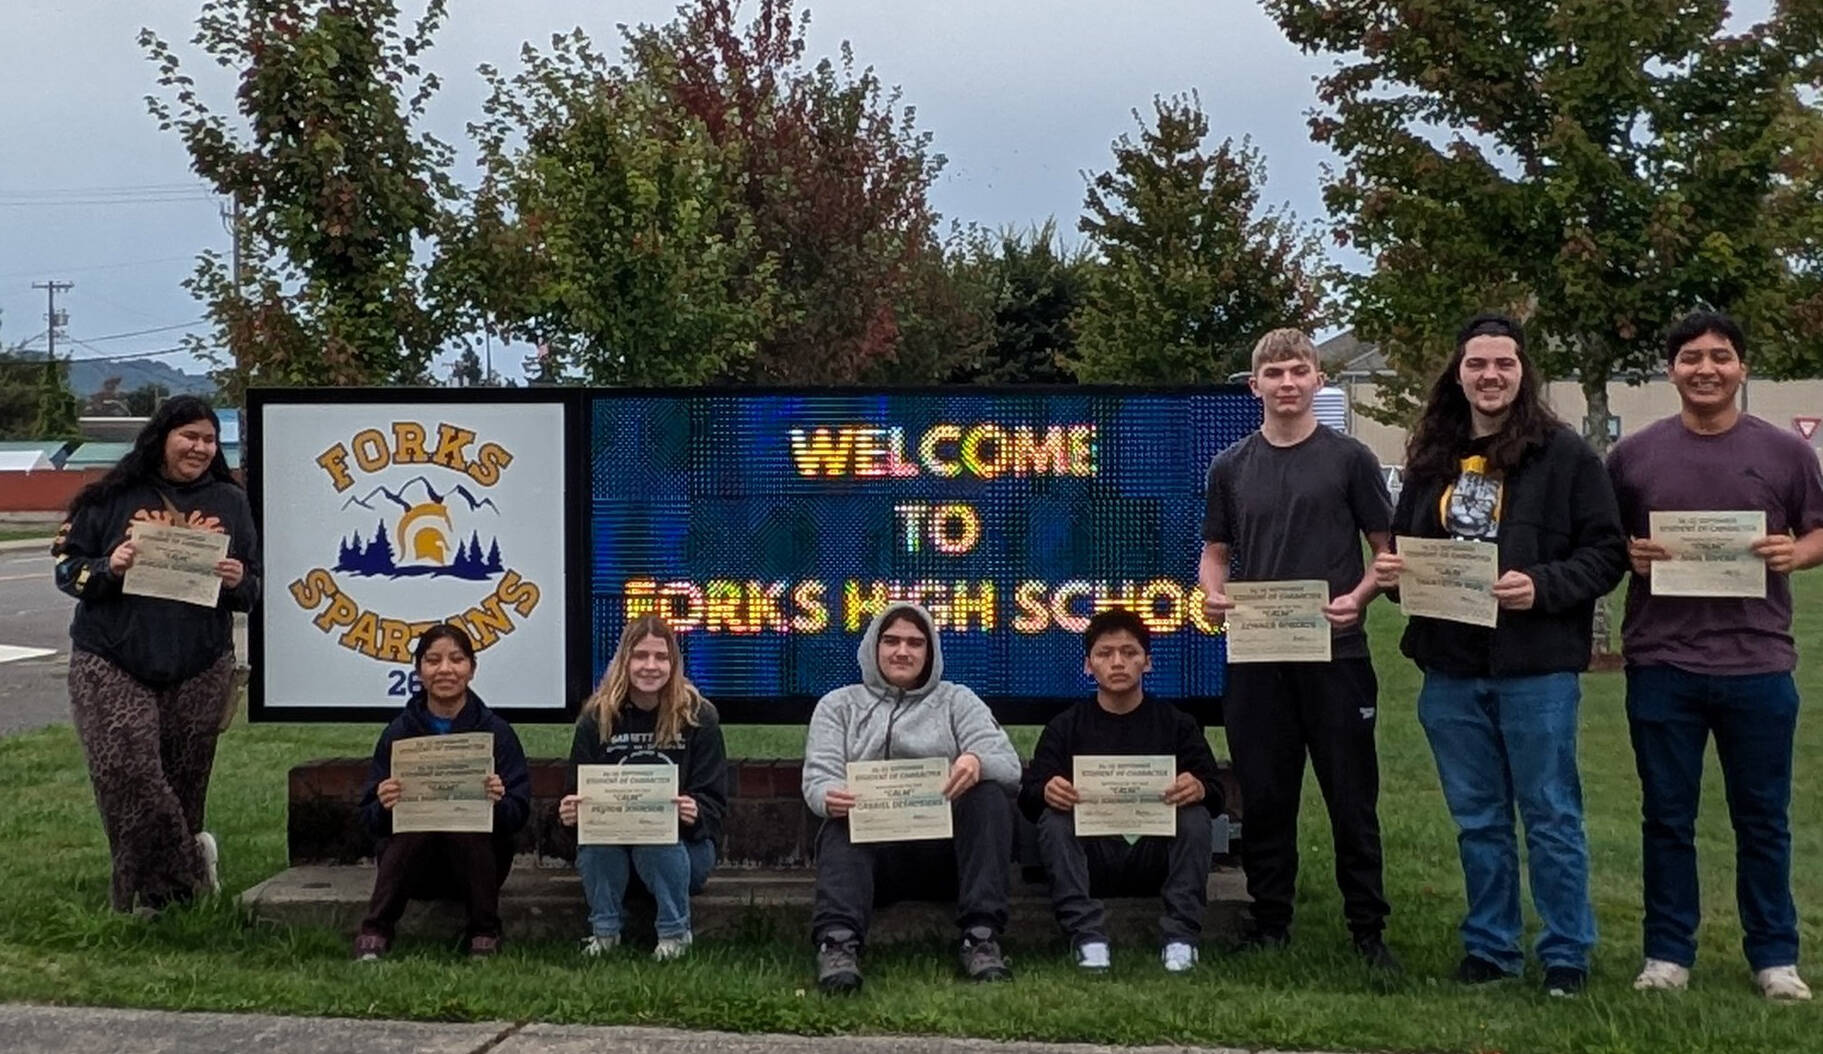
(671, 872)
(1754, 717)
(1501, 742)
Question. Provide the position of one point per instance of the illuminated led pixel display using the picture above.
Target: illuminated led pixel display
(771, 528)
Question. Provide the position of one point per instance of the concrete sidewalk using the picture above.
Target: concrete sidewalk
(81, 1030)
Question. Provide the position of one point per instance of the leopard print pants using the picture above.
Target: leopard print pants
(149, 753)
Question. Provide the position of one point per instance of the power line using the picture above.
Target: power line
(140, 332)
(98, 267)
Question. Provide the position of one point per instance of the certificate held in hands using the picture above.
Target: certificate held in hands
(1449, 579)
(626, 805)
(1711, 554)
(1124, 794)
(899, 801)
(175, 563)
(1278, 621)
(443, 783)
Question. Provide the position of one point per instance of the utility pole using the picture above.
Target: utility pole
(53, 318)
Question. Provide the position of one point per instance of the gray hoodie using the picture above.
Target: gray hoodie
(937, 719)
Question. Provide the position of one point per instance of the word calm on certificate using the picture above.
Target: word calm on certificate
(1278, 621)
(443, 783)
(1450, 580)
(1124, 794)
(626, 805)
(175, 563)
(1711, 554)
(899, 801)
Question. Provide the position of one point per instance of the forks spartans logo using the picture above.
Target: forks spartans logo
(416, 511)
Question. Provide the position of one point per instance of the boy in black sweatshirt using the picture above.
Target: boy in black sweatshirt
(1122, 720)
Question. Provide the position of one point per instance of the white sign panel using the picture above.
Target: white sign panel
(382, 519)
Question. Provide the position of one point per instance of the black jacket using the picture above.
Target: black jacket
(701, 760)
(1559, 524)
(159, 642)
(1154, 727)
(513, 808)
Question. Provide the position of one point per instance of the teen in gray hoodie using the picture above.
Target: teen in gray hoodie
(903, 708)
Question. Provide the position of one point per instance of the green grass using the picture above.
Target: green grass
(58, 943)
(17, 532)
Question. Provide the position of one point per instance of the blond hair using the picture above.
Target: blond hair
(1285, 344)
(680, 705)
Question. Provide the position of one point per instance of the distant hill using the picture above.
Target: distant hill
(86, 378)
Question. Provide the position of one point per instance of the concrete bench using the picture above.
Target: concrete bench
(762, 884)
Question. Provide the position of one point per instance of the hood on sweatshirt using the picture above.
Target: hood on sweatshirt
(868, 654)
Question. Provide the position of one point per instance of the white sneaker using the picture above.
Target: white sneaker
(212, 880)
(1782, 983)
(1092, 955)
(600, 944)
(1178, 957)
(670, 948)
(1663, 976)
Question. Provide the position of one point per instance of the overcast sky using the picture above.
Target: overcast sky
(1021, 96)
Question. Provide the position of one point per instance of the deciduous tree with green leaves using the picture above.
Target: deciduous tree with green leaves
(1597, 167)
(1192, 269)
(335, 183)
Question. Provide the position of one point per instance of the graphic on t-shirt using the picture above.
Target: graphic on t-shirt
(636, 748)
(1471, 505)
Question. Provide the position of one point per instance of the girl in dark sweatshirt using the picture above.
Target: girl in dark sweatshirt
(150, 678)
(646, 712)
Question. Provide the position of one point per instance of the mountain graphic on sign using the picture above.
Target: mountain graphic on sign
(402, 496)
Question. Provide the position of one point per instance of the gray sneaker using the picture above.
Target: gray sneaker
(981, 956)
(839, 963)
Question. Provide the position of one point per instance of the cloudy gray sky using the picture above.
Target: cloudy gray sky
(1021, 95)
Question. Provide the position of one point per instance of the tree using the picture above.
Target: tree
(1596, 168)
(35, 397)
(333, 182)
(1192, 269)
(1027, 288)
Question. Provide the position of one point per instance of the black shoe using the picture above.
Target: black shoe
(1565, 981)
(1374, 952)
(981, 957)
(839, 963)
(1476, 970)
(1266, 938)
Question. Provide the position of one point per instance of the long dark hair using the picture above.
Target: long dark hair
(1447, 423)
(147, 458)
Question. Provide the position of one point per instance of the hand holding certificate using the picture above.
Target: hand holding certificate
(626, 805)
(175, 563)
(1448, 579)
(443, 783)
(1124, 794)
(899, 801)
(1278, 621)
(1711, 554)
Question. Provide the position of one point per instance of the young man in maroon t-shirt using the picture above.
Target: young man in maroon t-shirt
(1701, 665)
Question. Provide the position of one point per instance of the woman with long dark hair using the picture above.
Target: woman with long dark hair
(150, 679)
(1489, 463)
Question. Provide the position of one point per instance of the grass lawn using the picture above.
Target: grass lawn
(11, 532)
(58, 943)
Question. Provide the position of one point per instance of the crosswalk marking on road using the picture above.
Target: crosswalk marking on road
(14, 653)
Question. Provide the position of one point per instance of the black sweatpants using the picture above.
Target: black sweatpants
(1276, 714)
(437, 865)
(973, 867)
(1082, 869)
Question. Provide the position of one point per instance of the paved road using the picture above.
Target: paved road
(33, 616)
(72, 1030)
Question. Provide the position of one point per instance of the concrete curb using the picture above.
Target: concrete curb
(43, 545)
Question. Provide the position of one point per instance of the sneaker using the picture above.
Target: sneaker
(1092, 956)
(1565, 981)
(205, 843)
(981, 956)
(481, 946)
(1782, 983)
(370, 947)
(1178, 957)
(1266, 938)
(1374, 952)
(670, 948)
(1473, 969)
(839, 963)
(1661, 975)
(600, 944)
